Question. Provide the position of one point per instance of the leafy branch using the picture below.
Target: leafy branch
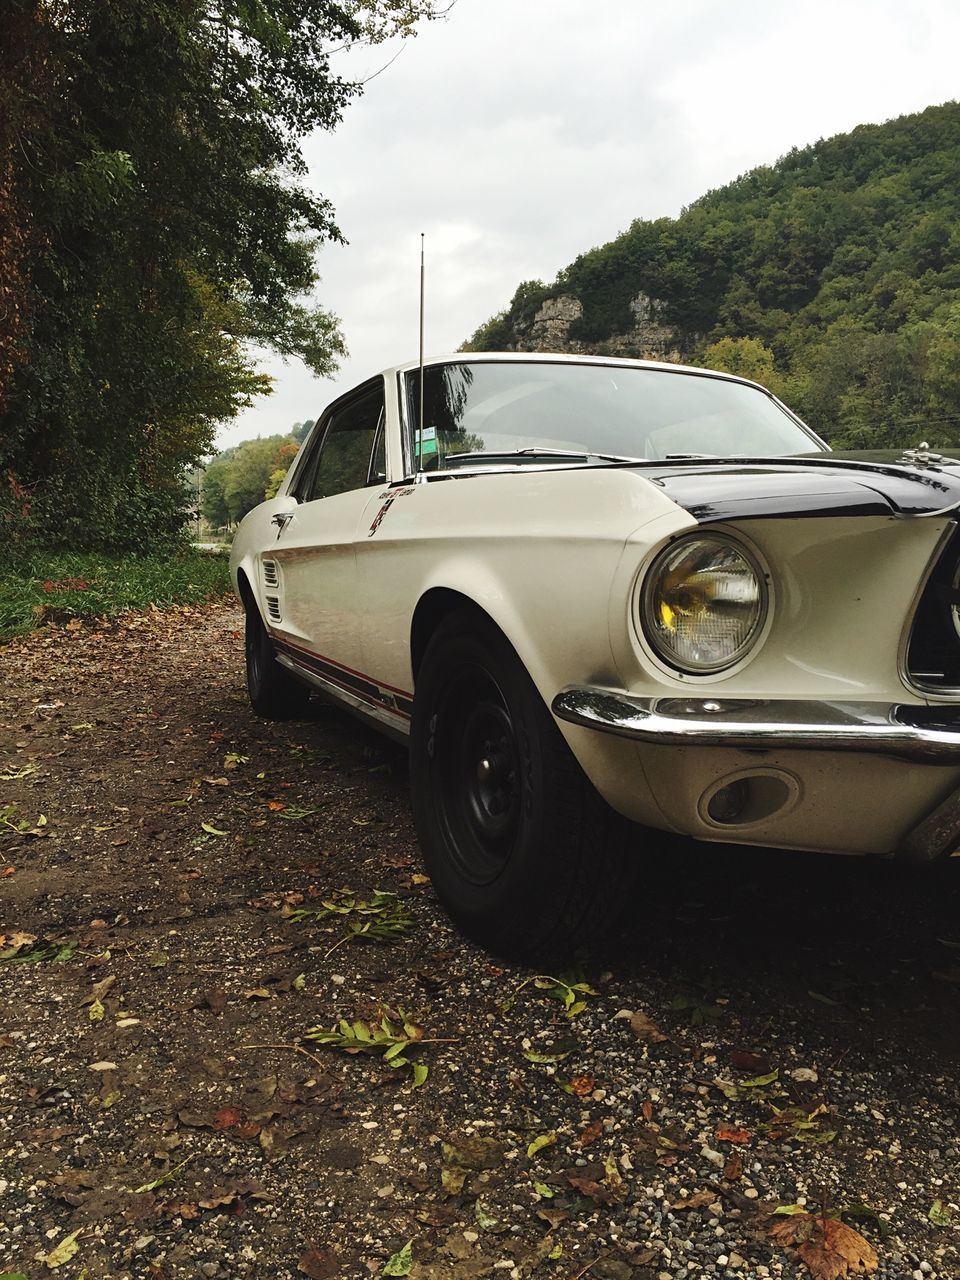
(568, 991)
(381, 918)
(390, 1037)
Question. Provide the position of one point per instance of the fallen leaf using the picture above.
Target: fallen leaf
(611, 1174)
(591, 1133)
(468, 1151)
(698, 1200)
(593, 1189)
(733, 1169)
(452, 1178)
(320, 1264)
(164, 1178)
(643, 1028)
(582, 1086)
(532, 1055)
(740, 1136)
(195, 1119)
(98, 990)
(64, 1251)
(752, 1062)
(939, 1215)
(828, 1248)
(401, 1262)
(760, 1082)
(186, 1211)
(538, 1144)
(227, 1117)
(485, 1221)
(554, 1217)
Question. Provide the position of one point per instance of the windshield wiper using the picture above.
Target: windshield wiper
(676, 457)
(540, 453)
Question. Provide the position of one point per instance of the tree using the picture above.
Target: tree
(745, 357)
(300, 430)
(237, 479)
(282, 461)
(154, 218)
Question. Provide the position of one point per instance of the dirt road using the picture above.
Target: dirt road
(773, 1030)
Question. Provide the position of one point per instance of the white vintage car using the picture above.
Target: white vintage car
(588, 590)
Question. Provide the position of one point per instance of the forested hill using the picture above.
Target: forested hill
(832, 276)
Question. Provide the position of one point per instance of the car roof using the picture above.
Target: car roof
(558, 357)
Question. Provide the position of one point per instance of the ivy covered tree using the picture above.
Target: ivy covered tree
(154, 221)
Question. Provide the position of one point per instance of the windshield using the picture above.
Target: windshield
(492, 408)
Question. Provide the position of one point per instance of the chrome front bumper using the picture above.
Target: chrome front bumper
(928, 734)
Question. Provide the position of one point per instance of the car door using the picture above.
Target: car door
(315, 547)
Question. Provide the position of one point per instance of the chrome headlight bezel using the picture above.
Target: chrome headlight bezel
(651, 588)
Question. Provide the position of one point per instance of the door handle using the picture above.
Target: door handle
(281, 520)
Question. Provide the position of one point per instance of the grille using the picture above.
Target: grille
(271, 573)
(933, 655)
(273, 608)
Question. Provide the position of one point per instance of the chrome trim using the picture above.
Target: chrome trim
(761, 725)
(932, 693)
(653, 578)
(389, 722)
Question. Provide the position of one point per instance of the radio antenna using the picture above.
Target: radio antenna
(420, 424)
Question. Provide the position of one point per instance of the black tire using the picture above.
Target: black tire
(274, 693)
(524, 855)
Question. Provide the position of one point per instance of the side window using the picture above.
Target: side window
(378, 472)
(345, 453)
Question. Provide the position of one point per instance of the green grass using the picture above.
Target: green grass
(60, 586)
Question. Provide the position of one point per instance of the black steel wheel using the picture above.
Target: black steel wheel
(274, 693)
(523, 854)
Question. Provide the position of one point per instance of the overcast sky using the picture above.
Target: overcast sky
(519, 133)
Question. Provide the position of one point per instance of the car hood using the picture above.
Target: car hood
(822, 484)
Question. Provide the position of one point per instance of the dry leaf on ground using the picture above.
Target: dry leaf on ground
(643, 1028)
(829, 1249)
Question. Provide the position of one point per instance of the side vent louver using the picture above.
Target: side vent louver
(271, 573)
(273, 608)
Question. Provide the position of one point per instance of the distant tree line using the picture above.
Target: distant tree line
(833, 277)
(237, 479)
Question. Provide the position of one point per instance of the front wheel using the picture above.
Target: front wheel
(523, 854)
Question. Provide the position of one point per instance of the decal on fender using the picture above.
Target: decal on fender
(391, 496)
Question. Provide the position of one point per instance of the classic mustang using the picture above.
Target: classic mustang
(588, 590)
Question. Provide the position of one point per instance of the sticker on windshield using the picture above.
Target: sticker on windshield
(428, 442)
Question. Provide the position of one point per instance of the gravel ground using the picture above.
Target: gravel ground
(771, 1030)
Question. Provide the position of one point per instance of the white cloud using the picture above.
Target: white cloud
(519, 133)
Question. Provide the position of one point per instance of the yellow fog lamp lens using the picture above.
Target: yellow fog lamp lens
(703, 604)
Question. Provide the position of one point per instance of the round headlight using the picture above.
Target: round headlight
(704, 603)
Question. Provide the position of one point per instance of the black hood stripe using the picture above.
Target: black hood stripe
(770, 490)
